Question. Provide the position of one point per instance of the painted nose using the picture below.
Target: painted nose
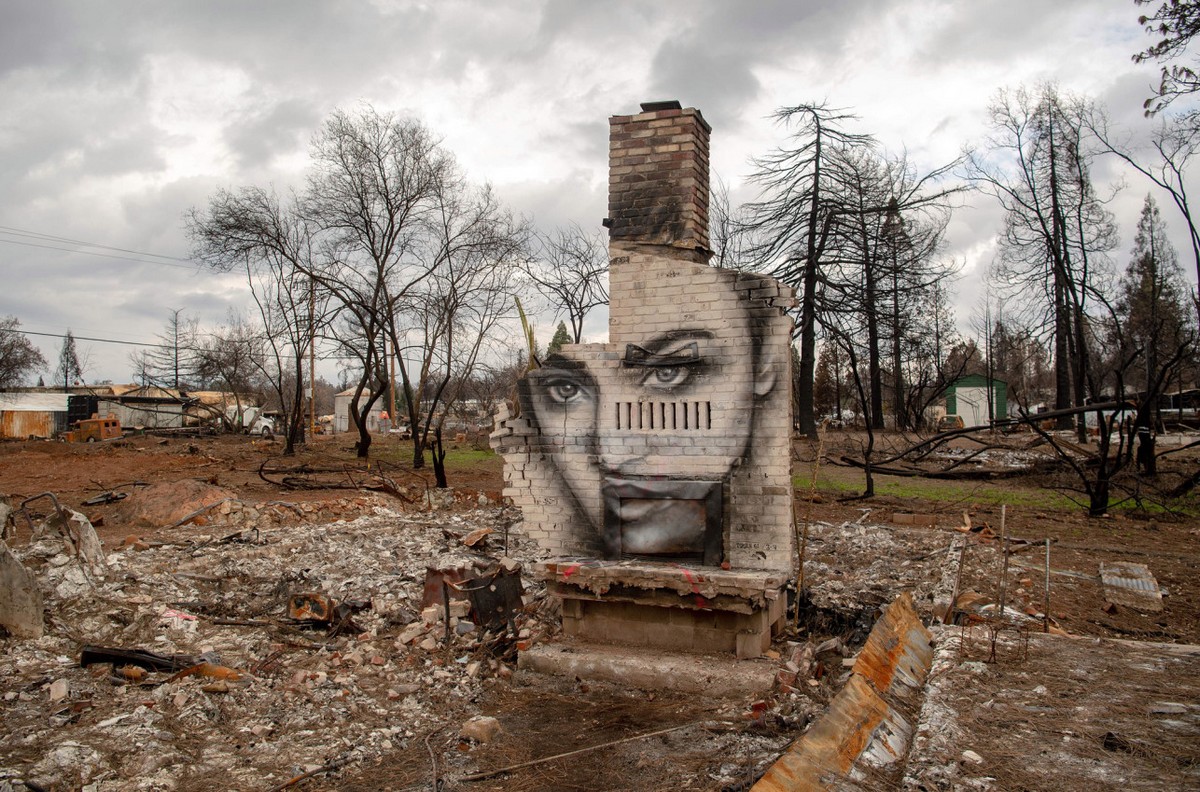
(619, 449)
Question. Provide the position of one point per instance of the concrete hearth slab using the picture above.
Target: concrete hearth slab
(650, 669)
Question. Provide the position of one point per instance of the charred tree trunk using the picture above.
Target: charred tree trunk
(899, 409)
(805, 378)
(808, 305)
(1106, 467)
(295, 417)
(871, 275)
(439, 460)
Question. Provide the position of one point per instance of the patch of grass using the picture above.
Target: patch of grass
(456, 458)
(1149, 508)
(840, 481)
(459, 457)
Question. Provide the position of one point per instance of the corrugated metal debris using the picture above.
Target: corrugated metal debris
(1131, 585)
(865, 733)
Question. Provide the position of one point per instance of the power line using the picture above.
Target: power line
(136, 343)
(97, 340)
(52, 237)
(121, 258)
(161, 259)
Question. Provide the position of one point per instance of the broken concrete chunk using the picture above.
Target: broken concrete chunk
(79, 536)
(20, 598)
(59, 689)
(829, 647)
(6, 519)
(480, 729)
(412, 632)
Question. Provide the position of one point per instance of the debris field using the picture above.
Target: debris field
(356, 642)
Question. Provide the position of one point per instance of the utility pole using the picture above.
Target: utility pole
(312, 359)
(391, 367)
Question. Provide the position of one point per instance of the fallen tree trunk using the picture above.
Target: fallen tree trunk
(951, 475)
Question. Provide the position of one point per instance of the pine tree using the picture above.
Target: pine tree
(68, 361)
(561, 336)
(827, 383)
(1152, 328)
(1151, 306)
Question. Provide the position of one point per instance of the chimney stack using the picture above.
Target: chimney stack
(658, 181)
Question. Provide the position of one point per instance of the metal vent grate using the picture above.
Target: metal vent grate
(693, 416)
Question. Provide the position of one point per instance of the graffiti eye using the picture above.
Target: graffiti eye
(663, 377)
(565, 391)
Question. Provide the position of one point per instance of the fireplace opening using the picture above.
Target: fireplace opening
(664, 520)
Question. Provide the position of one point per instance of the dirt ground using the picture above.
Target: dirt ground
(376, 710)
(1037, 509)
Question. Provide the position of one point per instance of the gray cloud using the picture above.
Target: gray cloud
(284, 127)
(120, 115)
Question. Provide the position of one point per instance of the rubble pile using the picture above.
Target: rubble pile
(263, 697)
(235, 652)
(233, 512)
(854, 568)
(999, 458)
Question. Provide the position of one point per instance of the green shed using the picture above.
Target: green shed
(967, 397)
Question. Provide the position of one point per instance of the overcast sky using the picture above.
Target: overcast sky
(120, 116)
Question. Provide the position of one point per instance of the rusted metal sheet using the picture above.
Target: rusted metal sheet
(898, 652)
(311, 606)
(450, 580)
(859, 726)
(1131, 585)
(862, 737)
(20, 424)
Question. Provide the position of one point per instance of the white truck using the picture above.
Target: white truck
(256, 422)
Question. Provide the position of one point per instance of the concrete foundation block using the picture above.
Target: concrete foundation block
(652, 669)
(20, 598)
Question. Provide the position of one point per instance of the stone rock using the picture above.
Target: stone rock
(68, 762)
(6, 518)
(59, 689)
(480, 729)
(160, 505)
(80, 538)
(412, 632)
(972, 757)
(20, 598)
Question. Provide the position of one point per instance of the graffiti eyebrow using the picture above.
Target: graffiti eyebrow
(686, 355)
(655, 345)
(557, 361)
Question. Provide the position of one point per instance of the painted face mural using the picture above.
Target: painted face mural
(646, 431)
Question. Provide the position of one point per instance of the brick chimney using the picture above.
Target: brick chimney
(658, 181)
